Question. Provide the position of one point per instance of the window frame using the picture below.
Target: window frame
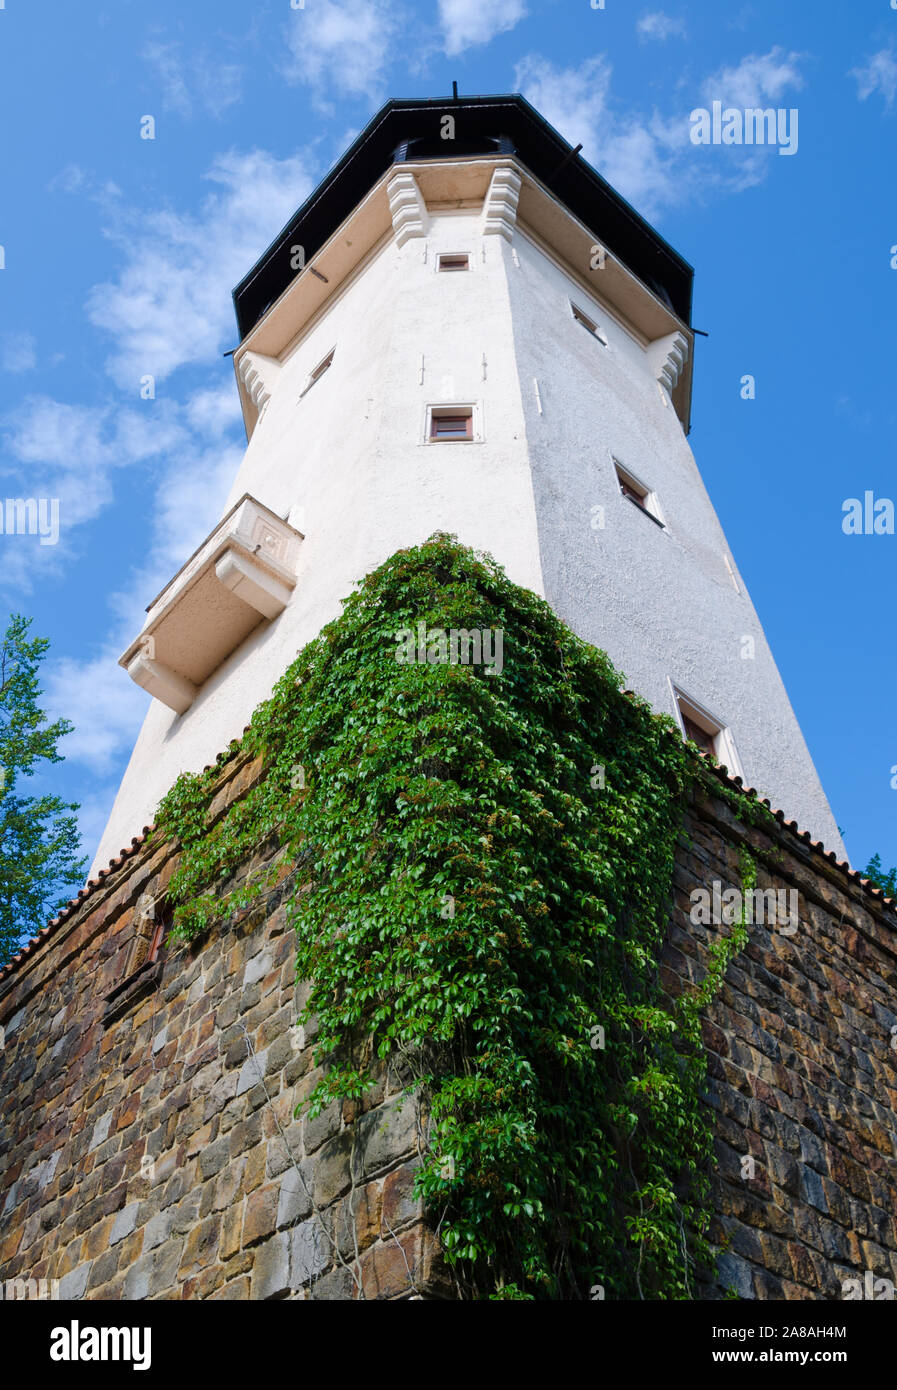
(645, 498)
(453, 256)
(725, 753)
(472, 410)
(592, 326)
(142, 973)
(439, 435)
(322, 368)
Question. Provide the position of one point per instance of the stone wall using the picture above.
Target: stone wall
(149, 1148)
(803, 1068)
(148, 1145)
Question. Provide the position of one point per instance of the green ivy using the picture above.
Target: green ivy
(471, 902)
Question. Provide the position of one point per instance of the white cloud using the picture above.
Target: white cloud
(74, 179)
(215, 85)
(50, 432)
(171, 303)
(658, 25)
(168, 307)
(68, 453)
(573, 100)
(18, 352)
(632, 153)
(878, 75)
(644, 161)
(757, 79)
(21, 559)
(93, 813)
(342, 48)
(107, 708)
(648, 156)
(466, 23)
(187, 503)
(169, 73)
(216, 409)
(72, 437)
(69, 180)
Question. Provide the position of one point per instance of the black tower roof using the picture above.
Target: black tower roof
(410, 130)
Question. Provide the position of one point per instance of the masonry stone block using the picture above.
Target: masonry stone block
(294, 1199)
(252, 1072)
(124, 1223)
(158, 1228)
(213, 1159)
(74, 1284)
(309, 1252)
(271, 1270)
(802, 1078)
(387, 1132)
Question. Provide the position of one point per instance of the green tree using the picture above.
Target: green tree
(876, 874)
(39, 839)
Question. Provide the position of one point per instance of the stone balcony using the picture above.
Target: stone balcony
(242, 574)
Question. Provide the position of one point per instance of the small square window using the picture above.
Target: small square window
(145, 964)
(588, 324)
(636, 492)
(704, 738)
(453, 262)
(317, 372)
(700, 727)
(451, 423)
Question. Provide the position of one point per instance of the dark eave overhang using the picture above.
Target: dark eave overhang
(406, 129)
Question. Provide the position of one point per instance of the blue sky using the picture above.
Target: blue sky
(121, 253)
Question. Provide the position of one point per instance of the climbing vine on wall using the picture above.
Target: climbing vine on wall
(490, 857)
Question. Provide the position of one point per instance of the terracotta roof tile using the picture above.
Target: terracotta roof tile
(139, 840)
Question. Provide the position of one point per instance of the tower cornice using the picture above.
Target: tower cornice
(510, 196)
(408, 130)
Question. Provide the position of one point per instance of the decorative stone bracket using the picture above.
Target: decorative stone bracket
(159, 680)
(500, 206)
(258, 374)
(407, 207)
(668, 357)
(243, 573)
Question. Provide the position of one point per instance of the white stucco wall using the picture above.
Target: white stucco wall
(660, 602)
(346, 463)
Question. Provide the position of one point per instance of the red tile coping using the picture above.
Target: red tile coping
(735, 783)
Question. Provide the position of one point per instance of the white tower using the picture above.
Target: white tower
(465, 329)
